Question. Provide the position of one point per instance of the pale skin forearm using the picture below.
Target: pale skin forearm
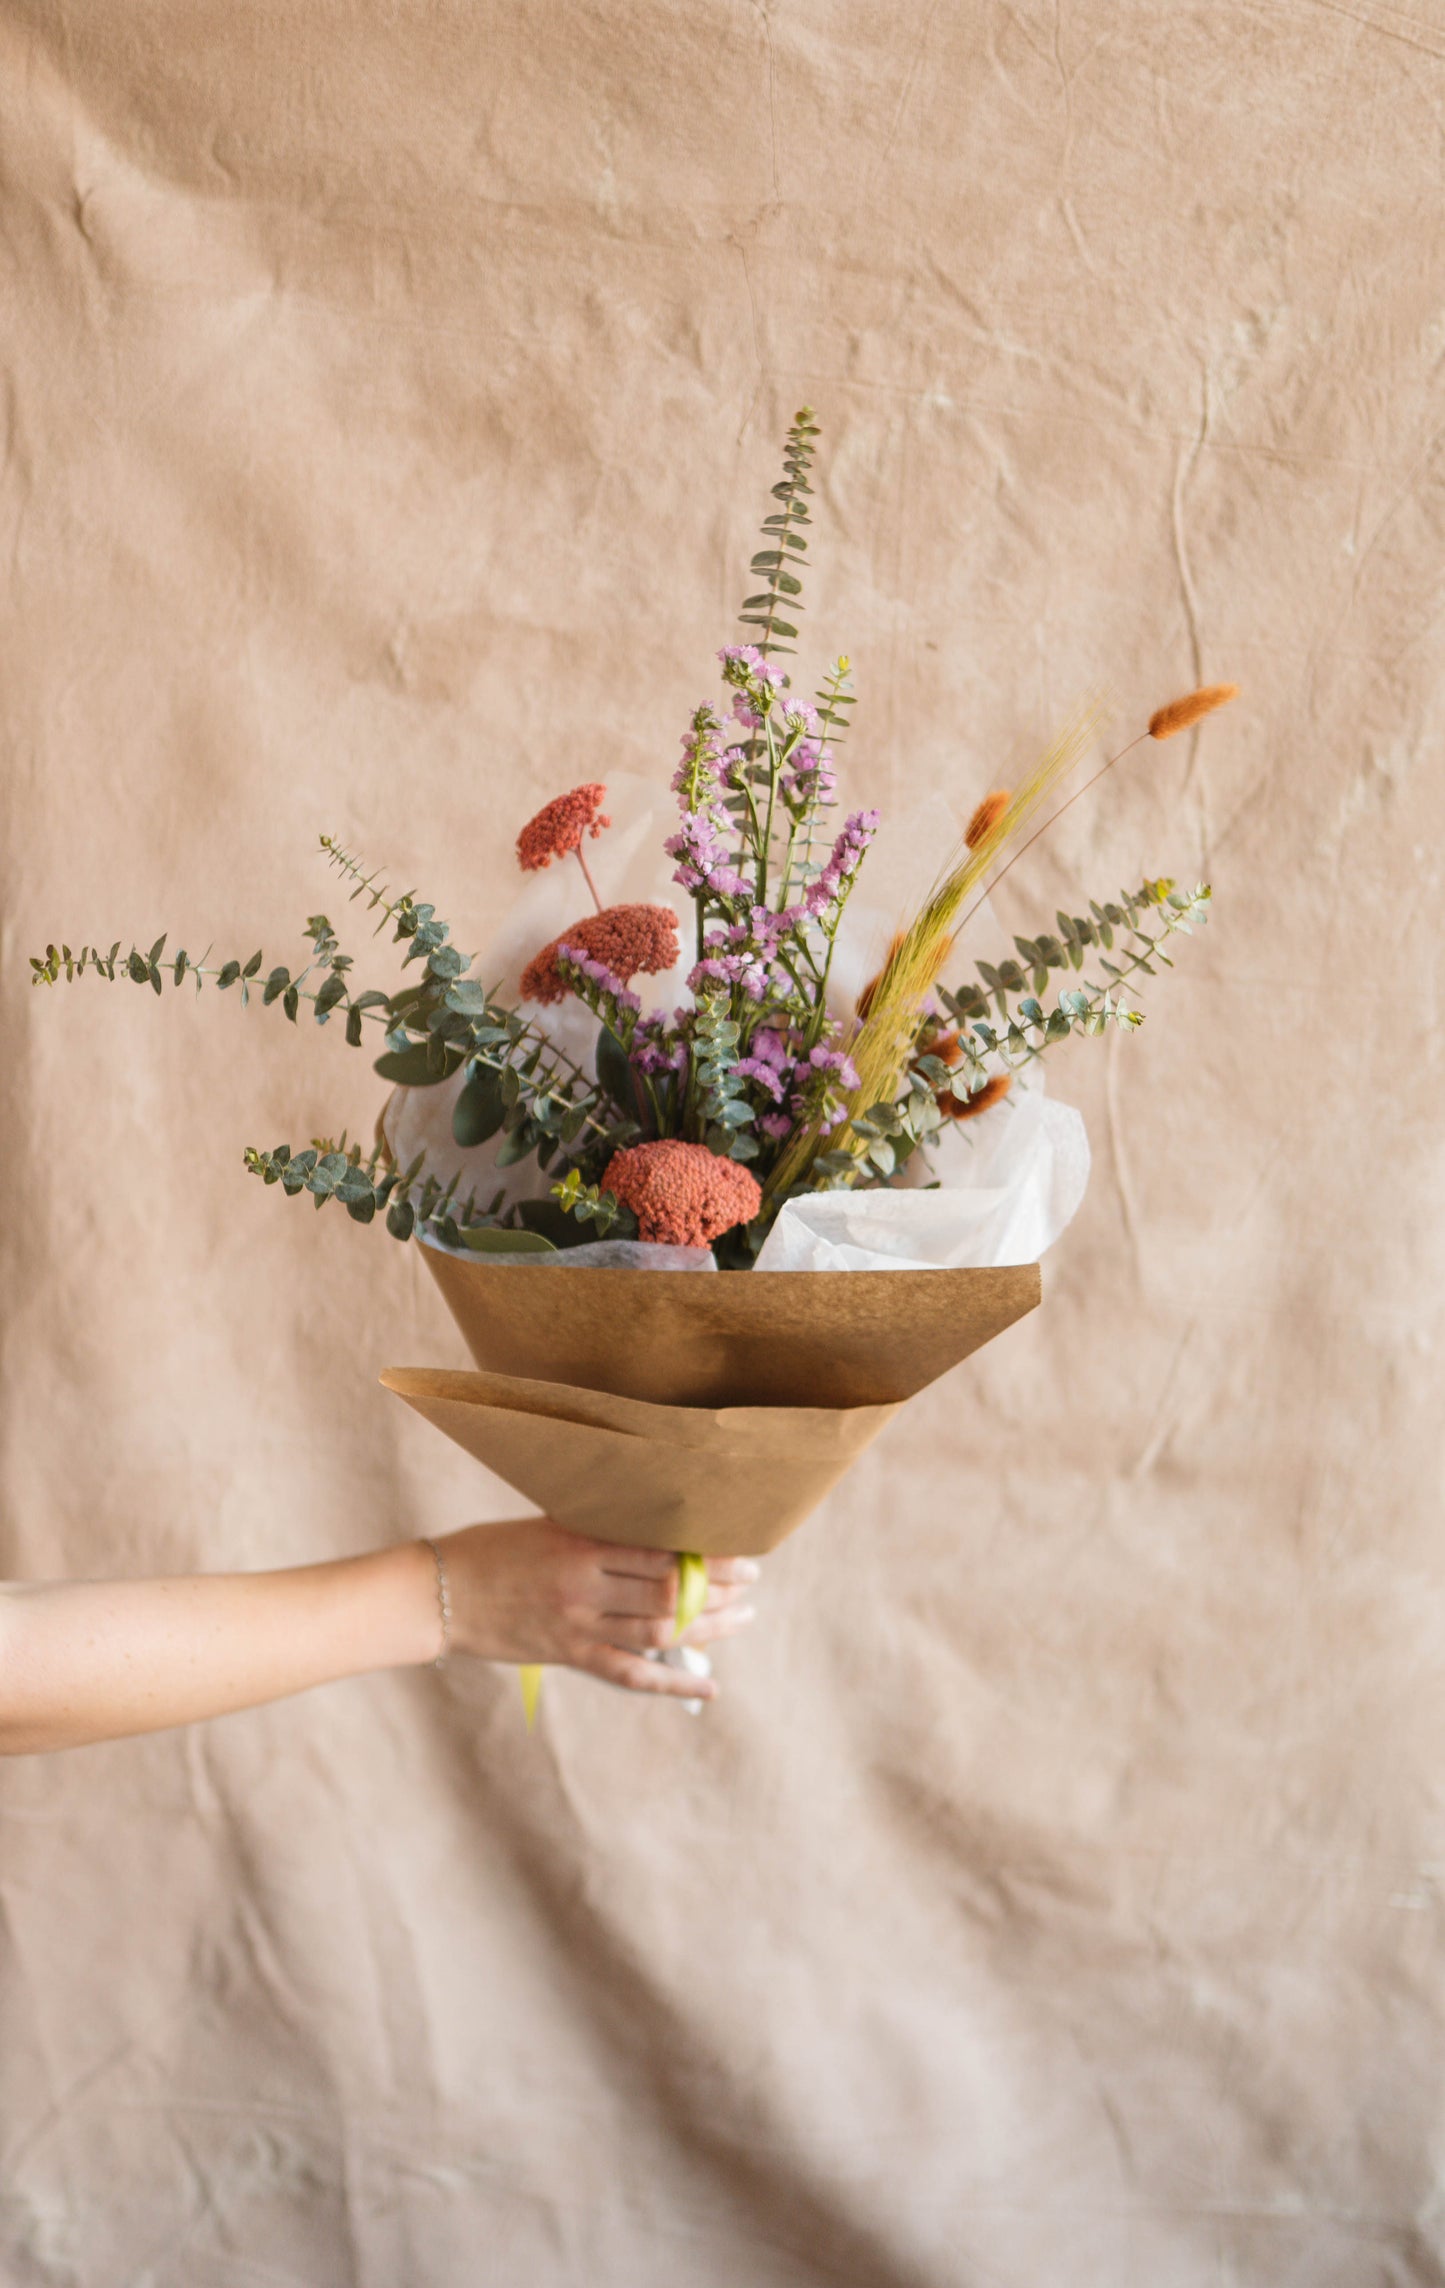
(93, 1660)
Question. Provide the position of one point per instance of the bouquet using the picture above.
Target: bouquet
(770, 1112)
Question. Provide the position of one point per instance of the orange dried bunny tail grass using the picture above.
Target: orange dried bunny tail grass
(1165, 722)
(986, 817)
(968, 1108)
(869, 993)
(1162, 724)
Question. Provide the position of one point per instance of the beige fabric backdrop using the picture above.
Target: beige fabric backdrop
(390, 394)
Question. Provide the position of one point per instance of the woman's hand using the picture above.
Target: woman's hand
(96, 1660)
(525, 1591)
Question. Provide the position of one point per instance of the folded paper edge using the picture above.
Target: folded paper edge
(691, 1427)
(758, 1338)
(634, 1491)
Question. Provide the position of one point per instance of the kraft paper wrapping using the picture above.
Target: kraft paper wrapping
(755, 1338)
(707, 1414)
(731, 1481)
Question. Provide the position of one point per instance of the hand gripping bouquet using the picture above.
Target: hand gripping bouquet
(868, 1145)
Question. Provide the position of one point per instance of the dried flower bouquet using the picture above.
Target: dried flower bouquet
(705, 1415)
(696, 1126)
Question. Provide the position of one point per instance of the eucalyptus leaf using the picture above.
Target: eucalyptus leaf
(516, 1146)
(480, 1108)
(408, 1068)
(614, 1071)
(486, 1239)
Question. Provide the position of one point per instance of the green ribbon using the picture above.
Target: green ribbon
(691, 1589)
(691, 1598)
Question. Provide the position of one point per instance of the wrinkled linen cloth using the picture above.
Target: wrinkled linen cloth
(389, 403)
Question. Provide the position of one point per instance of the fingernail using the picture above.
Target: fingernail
(744, 1613)
(748, 1571)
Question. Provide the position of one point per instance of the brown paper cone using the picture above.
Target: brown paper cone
(730, 1482)
(731, 1338)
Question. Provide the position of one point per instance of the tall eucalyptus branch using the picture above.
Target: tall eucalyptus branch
(778, 564)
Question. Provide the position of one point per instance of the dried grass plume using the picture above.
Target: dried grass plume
(968, 1108)
(986, 817)
(1180, 713)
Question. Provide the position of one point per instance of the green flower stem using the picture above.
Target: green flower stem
(774, 766)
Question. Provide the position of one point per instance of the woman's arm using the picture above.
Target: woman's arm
(94, 1660)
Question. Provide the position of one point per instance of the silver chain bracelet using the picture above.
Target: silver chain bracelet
(444, 1600)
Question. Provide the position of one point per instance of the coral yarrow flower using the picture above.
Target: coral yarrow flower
(559, 826)
(681, 1194)
(628, 940)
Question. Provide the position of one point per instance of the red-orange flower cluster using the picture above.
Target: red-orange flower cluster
(681, 1194)
(986, 817)
(941, 1041)
(559, 826)
(968, 1108)
(628, 940)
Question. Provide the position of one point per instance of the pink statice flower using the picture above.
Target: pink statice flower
(700, 844)
(747, 953)
(836, 1063)
(825, 890)
(658, 1045)
(799, 716)
(728, 969)
(756, 682)
(768, 1063)
(580, 971)
(822, 1076)
(810, 776)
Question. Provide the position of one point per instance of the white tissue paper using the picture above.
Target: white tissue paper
(1008, 1183)
(594, 1255)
